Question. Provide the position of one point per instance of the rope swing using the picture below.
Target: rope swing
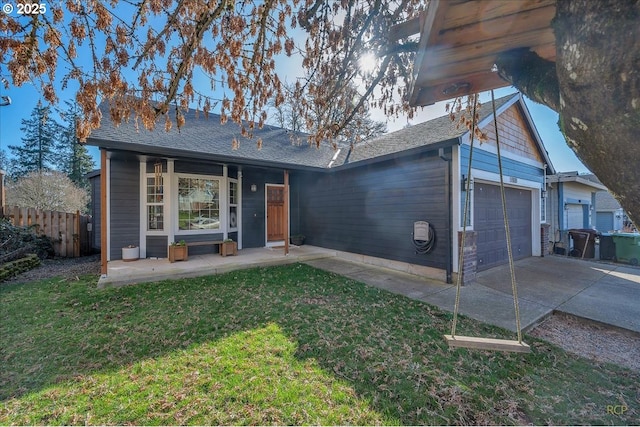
(479, 343)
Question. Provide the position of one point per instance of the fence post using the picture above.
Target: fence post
(76, 234)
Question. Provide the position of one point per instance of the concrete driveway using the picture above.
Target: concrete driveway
(607, 293)
(604, 292)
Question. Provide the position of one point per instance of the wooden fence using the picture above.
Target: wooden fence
(68, 231)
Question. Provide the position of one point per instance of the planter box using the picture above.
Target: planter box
(229, 248)
(178, 253)
(130, 254)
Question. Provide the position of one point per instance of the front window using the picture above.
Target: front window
(198, 203)
(155, 203)
(233, 205)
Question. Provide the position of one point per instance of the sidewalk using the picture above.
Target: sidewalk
(607, 293)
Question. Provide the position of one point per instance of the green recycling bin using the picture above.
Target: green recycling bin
(627, 247)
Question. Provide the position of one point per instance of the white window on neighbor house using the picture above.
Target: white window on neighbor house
(198, 203)
(155, 203)
(233, 205)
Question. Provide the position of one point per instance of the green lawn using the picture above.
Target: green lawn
(280, 345)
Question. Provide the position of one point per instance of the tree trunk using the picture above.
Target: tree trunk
(598, 75)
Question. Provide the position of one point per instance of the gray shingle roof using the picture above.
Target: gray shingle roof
(420, 135)
(206, 138)
(604, 200)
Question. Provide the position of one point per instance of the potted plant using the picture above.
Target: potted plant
(178, 251)
(130, 253)
(297, 239)
(228, 247)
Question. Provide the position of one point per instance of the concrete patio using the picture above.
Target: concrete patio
(120, 273)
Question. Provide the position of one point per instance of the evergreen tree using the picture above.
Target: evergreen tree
(77, 161)
(8, 165)
(39, 150)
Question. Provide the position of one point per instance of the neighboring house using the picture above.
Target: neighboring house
(609, 214)
(571, 202)
(362, 201)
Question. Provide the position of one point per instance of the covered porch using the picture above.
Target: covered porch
(121, 273)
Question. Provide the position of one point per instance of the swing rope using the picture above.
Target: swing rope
(514, 287)
(474, 342)
(467, 199)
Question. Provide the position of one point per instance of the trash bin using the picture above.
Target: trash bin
(607, 247)
(627, 247)
(584, 242)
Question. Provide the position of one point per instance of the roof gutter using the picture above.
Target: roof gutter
(400, 154)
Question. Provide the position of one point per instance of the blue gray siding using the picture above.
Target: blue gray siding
(125, 203)
(96, 206)
(486, 161)
(253, 204)
(371, 209)
(157, 246)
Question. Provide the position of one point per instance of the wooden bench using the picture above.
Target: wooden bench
(216, 242)
(205, 243)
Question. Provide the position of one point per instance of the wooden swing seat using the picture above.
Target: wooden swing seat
(487, 344)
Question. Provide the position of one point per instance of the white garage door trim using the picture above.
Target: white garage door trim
(494, 179)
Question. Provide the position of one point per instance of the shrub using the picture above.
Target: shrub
(13, 268)
(15, 242)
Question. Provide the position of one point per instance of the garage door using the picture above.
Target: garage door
(489, 224)
(604, 221)
(575, 217)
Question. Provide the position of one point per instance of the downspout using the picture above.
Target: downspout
(448, 203)
(560, 207)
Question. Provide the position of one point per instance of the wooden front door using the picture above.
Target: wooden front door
(275, 213)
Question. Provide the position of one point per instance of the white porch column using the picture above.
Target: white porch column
(170, 197)
(224, 202)
(239, 210)
(143, 209)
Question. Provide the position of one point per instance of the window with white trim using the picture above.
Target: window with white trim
(233, 205)
(463, 196)
(198, 203)
(155, 203)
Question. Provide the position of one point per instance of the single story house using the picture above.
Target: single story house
(372, 200)
(571, 204)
